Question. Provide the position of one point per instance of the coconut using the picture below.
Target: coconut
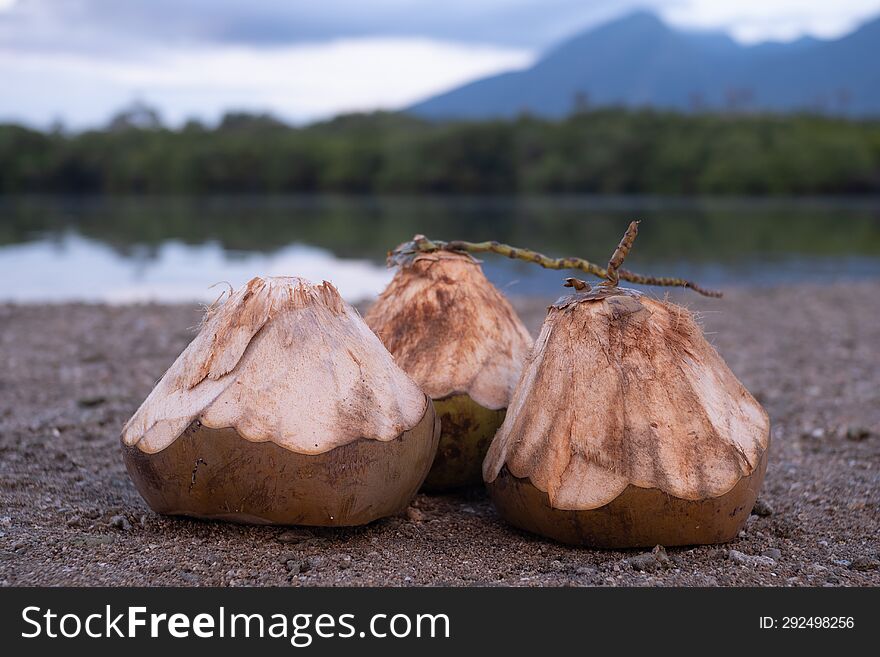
(627, 429)
(284, 409)
(453, 332)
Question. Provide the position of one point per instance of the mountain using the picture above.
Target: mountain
(639, 61)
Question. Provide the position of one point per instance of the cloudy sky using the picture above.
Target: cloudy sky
(79, 60)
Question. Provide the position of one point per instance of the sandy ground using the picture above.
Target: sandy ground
(71, 375)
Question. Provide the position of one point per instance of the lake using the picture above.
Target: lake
(137, 249)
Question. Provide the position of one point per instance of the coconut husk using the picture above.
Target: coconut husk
(624, 410)
(453, 332)
(283, 394)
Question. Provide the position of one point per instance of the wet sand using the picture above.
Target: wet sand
(71, 375)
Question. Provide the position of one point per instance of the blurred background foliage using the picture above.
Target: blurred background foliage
(605, 152)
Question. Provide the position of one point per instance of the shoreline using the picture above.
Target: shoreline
(73, 373)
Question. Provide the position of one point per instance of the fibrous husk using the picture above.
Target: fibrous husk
(623, 396)
(451, 330)
(288, 363)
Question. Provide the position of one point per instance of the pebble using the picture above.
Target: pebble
(718, 553)
(294, 567)
(293, 536)
(120, 522)
(864, 564)
(92, 541)
(286, 557)
(857, 433)
(772, 553)
(414, 514)
(762, 508)
(312, 563)
(749, 559)
(649, 561)
(91, 402)
(192, 578)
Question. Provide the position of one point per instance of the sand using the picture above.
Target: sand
(71, 375)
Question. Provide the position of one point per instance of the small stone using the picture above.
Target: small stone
(772, 553)
(644, 562)
(293, 536)
(91, 402)
(74, 521)
(584, 570)
(120, 522)
(857, 434)
(762, 508)
(344, 561)
(311, 563)
(864, 564)
(285, 557)
(749, 559)
(414, 514)
(192, 578)
(844, 563)
(92, 541)
(660, 555)
(294, 567)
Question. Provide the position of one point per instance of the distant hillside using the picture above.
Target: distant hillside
(638, 61)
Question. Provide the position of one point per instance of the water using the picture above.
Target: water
(122, 250)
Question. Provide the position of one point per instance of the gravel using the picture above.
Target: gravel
(71, 375)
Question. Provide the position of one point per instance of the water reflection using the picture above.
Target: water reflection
(75, 268)
(173, 249)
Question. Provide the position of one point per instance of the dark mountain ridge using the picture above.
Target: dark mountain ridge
(639, 61)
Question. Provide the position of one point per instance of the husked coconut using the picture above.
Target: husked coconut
(627, 429)
(453, 332)
(284, 409)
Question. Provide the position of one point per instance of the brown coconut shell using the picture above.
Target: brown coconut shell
(284, 409)
(627, 429)
(457, 336)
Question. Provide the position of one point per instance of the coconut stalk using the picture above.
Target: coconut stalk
(457, 336)
(285, 409)
(421, 244)
(627, 429)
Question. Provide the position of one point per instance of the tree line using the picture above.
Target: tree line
(609, 151)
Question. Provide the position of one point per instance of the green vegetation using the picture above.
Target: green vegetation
(597, 152)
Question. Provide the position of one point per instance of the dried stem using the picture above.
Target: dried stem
(421, 244)
(620, 253)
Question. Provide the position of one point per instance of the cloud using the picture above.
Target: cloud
(88, 25)
(304, 59)
(752, 21)
(297, 83)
